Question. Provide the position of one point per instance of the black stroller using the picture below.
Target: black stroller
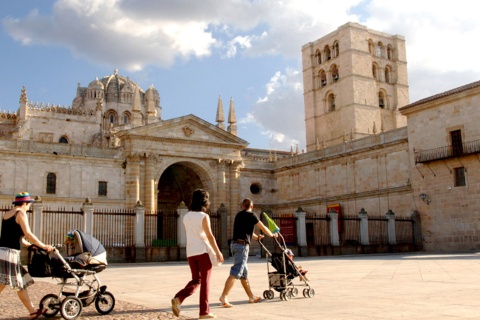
(86, 257)
(282, 280)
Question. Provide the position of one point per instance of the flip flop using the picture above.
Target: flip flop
(227, 305)
(36, 314)
(257, 299)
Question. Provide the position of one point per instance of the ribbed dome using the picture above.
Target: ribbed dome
(96, 85)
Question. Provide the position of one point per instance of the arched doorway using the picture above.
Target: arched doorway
(176, 184)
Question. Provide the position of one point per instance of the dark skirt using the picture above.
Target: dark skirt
(12, 273)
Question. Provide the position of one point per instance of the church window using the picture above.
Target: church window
(331, 102)
(374, 71)
(371, 46)
(323, 78)
(334, 71)
(318, 57)
(378, 49)
(387, 74)
(381, 100)
(389, 52)
(336, 50)
(256, 188)
(327, 52)
(51, 183)
(126, 118)
(102, 188)
(63, 140)
(112, 119)
(460, 180)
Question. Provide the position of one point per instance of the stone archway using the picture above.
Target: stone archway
(176, 184)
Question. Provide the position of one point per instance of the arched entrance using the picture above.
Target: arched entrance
(176, 184)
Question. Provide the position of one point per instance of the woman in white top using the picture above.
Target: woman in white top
(198, 231)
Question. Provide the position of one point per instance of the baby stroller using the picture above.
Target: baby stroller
(281, 279)
(86, 257)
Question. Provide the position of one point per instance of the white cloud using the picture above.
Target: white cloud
(280, 113)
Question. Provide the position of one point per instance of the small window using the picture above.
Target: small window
(457, 143)
(256, 188)
(63, 140)
(331, 102)
(102, 188)
(460, 180)
(112, 119)
(51, 183)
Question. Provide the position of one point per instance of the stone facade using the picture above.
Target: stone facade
(113, 147)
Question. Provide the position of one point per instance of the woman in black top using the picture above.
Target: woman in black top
(16, 230)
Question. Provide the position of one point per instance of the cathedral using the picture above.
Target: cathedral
(368, 147)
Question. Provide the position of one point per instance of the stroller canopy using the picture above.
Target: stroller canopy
(84, 242)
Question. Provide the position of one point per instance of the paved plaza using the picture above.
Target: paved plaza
(361, 287)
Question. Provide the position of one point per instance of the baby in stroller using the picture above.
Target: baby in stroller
(302, 272)
(86, 257)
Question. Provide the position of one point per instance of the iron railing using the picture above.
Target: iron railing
(447, 152)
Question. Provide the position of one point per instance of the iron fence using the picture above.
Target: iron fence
(349, 229)
(404, 230)
(318, 229)
(378, 230)
(114, 228)
(57, 223)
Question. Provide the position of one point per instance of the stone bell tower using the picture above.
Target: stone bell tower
(355, 80)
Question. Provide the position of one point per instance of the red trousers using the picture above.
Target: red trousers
(201, 269)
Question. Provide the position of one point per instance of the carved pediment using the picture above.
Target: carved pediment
(187, 129)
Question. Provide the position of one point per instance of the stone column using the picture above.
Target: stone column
(149, 196)
(132, 181)
(221, 183)
(181, 233)
(37, 223)
(87, 208)
(234, 205)
(301, 232)
(363, 227)
(333, 226)
(392, 238)
(139, 232)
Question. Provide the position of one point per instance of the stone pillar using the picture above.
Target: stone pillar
(87, 208)
(221, 183)
(234, 205)
(181, 233)
(132, 181)
(363, 227)
(139, 232)
(333, 225)
(301, 232)
(149, 196)
(392, 238)
(37, 223)
(222, 211)
(417, 231)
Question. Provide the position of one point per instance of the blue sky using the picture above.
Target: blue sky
(195, 51)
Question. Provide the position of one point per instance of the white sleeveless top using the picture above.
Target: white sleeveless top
(196, 237)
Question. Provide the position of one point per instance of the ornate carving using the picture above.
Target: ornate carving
(187, 131)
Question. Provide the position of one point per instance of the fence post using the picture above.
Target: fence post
(363, 227)
(37, 208)
(392, 237)
(333, 225)
(301, 232)
(222, 211)
(181, 233)
(87, 209)
(139, 232)
(417, 230)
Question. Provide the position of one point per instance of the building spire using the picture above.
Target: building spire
(220, 117)
(232, 119)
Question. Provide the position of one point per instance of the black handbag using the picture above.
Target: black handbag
(39, 263)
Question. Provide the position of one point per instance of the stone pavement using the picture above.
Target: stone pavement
(360, 287)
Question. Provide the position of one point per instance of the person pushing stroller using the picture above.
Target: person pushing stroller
(243, 233)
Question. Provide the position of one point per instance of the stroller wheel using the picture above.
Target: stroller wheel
(294, 292)
(71, 307)
(305, 292)
(269, 294)
(311, 293)
(51, 303)
(105, 302)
